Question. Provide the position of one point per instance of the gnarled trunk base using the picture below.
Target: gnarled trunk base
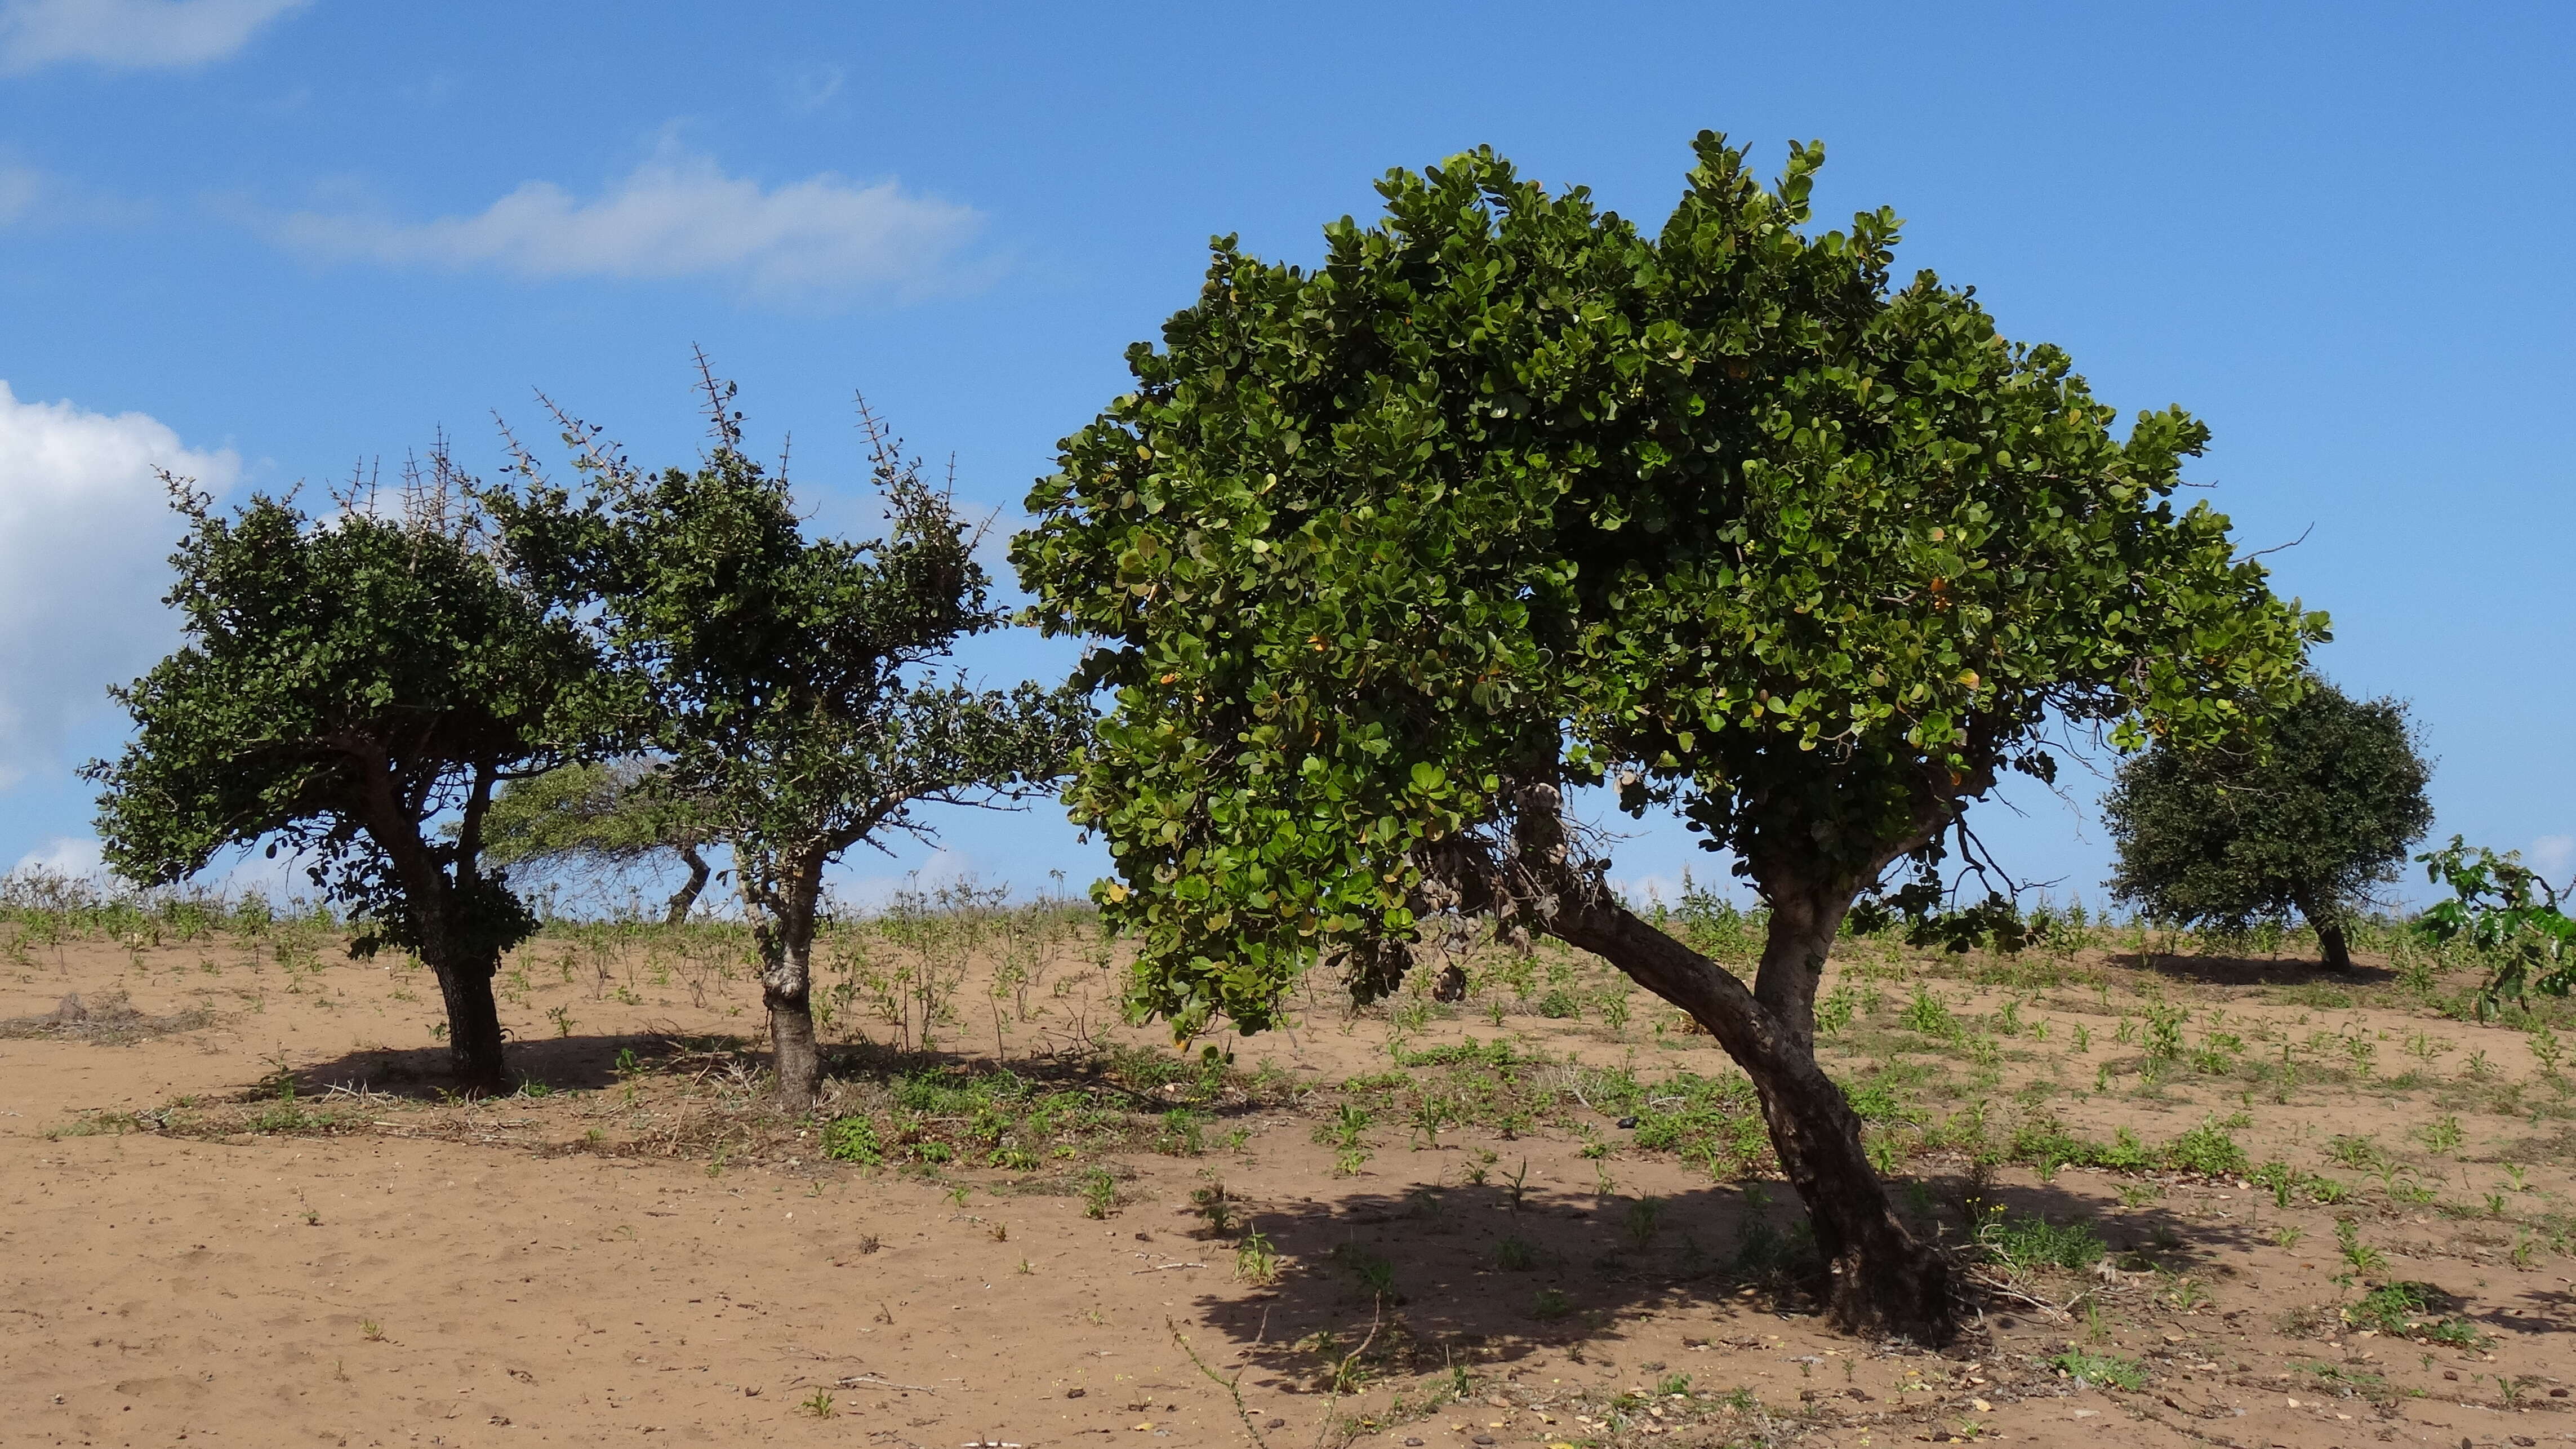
(1881, 1280)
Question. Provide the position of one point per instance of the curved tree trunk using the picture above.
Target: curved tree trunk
(687, 895)
(473, 1025)
(1883, 1280)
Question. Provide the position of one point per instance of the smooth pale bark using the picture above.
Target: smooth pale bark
(1883, 1279)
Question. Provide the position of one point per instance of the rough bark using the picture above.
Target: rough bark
(782, 904)
(473, 1025)
(687, 895)
(1882, 1279)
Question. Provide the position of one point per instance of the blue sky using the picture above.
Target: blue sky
(265, 241)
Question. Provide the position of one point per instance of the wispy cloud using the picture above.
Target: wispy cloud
(130, 34)
(680, 216)
(37, 200)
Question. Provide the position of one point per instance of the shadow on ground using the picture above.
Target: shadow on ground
(1463, 1268)
(2255, 970)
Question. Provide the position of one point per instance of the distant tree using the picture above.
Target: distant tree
(2228, 834)
(600, 814)
(783, 678)
(1506, 498)
(347, 683)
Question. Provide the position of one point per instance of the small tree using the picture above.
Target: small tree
(1507, 498)
(782, 677)
(2312, 819)
(348, 682)
(601, 814)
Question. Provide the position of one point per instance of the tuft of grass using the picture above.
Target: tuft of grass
(1256, 1261)
(1551, 1304)
(1099, 1193)
(1514, 1255)
(1214, 1204)
(2107, 1369)
(2406, 1310)
(2031, 1242)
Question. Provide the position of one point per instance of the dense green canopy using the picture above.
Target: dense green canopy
(347, 682)
(2313, 819)
(1508, 493)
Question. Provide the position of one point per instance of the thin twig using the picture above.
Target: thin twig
(859, 1381)
(1231, 1386)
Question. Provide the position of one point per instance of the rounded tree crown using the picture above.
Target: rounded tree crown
(1508, 493)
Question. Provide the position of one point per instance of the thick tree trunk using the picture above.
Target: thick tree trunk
(473, 1026)
(793, 1054)
(687, 896)
(782, 906)
(1882, 1279)
(2328, 924)
(2331, 943)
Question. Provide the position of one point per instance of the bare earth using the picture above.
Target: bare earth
(600, 1266)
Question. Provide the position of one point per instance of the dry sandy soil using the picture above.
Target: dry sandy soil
(640, 1256)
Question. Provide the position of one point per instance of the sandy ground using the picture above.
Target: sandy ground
(470, 1275)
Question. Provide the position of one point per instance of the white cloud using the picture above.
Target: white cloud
(679, 215)
(130, 34)
(85, 529)
(65, 856)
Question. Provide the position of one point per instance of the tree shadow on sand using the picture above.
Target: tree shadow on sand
(1461, 1275)
(2254, 970)
(553, 1064)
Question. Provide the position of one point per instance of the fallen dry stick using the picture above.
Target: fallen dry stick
(857, 1381)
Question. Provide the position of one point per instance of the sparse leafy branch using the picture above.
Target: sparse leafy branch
(2515, 919)
(785, 678)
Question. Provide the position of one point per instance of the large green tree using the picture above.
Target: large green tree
(1506, 498)
(2312, 818)
(349, 683)
(785, 678)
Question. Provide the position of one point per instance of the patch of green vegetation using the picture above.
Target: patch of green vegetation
(2206, 1149)
(2046, 1144)
(2107, 1369)
(2023, 1242)
(2410, 1310)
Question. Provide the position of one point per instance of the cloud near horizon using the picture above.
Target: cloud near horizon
(130, 34)
(85, 531)
(679, 216)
